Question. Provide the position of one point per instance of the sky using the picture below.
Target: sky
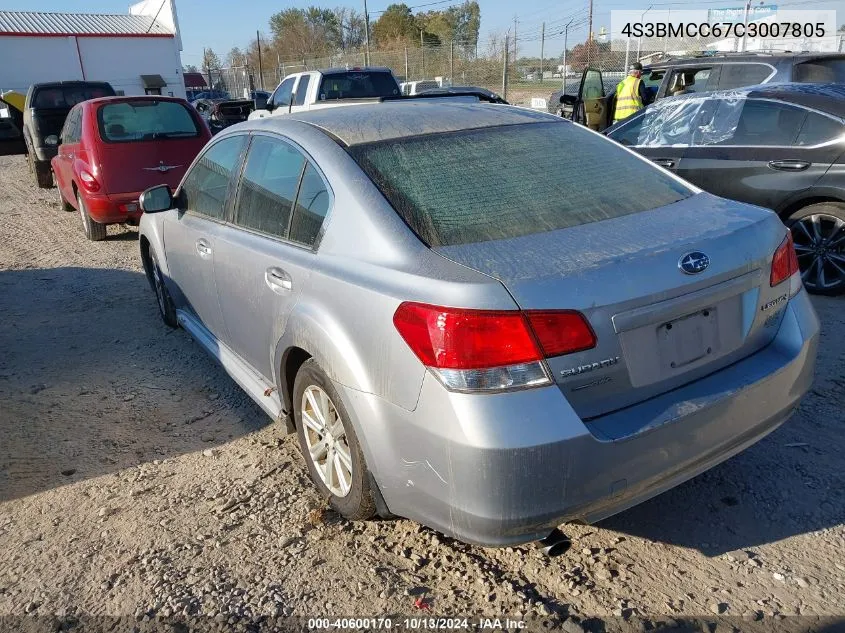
(222, 24)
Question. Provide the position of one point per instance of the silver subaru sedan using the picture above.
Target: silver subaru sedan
(483, 318)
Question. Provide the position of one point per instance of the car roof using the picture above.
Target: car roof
(748, 57)
(828, 97)
(122, 98)
(356, 69)
(366, 123)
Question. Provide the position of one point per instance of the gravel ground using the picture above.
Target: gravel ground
(138, 481)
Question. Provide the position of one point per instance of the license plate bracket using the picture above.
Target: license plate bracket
(688, 339)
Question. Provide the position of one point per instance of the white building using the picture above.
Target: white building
(137, 53)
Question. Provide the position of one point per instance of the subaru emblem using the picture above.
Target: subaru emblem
(694, 263)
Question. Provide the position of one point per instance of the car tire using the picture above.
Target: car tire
(43, 174)
(818, 231)
(315, 399)
(63, 204)
(94, 231)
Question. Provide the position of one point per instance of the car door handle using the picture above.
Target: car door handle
(203, 248)
(278, 280)
(664, 162)
(789, 165)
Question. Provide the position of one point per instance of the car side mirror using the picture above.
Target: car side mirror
(261, 103)
(269, 106)
(569, 100)
(156, 199)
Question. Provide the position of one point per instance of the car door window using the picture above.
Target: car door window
(819, 129)
(206, 185)
(762, 122)
(689, 80)
(70, 127)
(281, 97)
(592, 86)
(312, 204)
(739, 75)
(268, 186)
(301, 90)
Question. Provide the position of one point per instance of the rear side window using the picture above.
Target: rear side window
(206, 185)
(312, 204)
(819, 129)
(739, 75)
(504, 182)
(820, 71)
(301, 90)
(691, 80)
(268, 186)
(357, 85)
(72, 131)
(145, 120)
(764, 123)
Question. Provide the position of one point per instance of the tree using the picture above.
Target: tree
(210, 60)
(395, 27)
(236, 57)
(190, 68)
(352, 28)
(299, 33)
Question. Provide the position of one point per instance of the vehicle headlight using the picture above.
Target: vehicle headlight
(52, 140)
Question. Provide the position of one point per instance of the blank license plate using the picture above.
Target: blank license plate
(688, 339)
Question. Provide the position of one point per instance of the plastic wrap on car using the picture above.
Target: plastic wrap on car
(697, 120)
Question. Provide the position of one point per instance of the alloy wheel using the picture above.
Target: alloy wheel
(820, 245)
(325, 437)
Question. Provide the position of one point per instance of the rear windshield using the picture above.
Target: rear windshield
(502, 182)
(821, 71)
(145, 120)
(68, 96)
(358, 85)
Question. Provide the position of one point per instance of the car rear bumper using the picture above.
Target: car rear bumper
(114, 209)
(503, 469)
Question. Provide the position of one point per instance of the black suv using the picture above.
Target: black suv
(670, 76)
(45, 110)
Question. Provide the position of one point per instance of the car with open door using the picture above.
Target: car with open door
(112, 149)
(486, 347)
(592, 106)
(779, 146)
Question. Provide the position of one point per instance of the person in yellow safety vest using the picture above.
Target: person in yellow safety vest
(630, 93)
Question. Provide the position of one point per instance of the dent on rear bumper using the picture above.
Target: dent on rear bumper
(506, 468)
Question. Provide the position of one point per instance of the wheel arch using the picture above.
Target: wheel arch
(805, 201)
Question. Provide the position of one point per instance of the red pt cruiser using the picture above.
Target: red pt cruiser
(114, 148)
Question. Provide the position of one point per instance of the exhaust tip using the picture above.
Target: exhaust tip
(555, 544)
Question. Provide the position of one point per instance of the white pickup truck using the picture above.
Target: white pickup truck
(329, 88)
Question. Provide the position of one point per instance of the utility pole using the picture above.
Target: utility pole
(590, 33)
(515, 54)
(451, 62)
(745, 34)
(207, 67)
(422, 51)
(542, 48)
(565, 40)
(366, 35)
(260, 67)
(406, 64)
(505, 70)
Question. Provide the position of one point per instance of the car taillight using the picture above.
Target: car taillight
(482, 350)
(88, 181)
(784, 262)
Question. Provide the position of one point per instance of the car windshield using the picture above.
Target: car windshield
(357, 85)
(145, 120)
(507, 181)
(68, 96)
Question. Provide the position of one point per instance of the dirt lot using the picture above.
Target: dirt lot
(137, 480)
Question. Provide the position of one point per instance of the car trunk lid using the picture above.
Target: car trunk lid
(136, 166)
(657, 327)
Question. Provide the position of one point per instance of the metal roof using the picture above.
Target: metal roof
(32, 23)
